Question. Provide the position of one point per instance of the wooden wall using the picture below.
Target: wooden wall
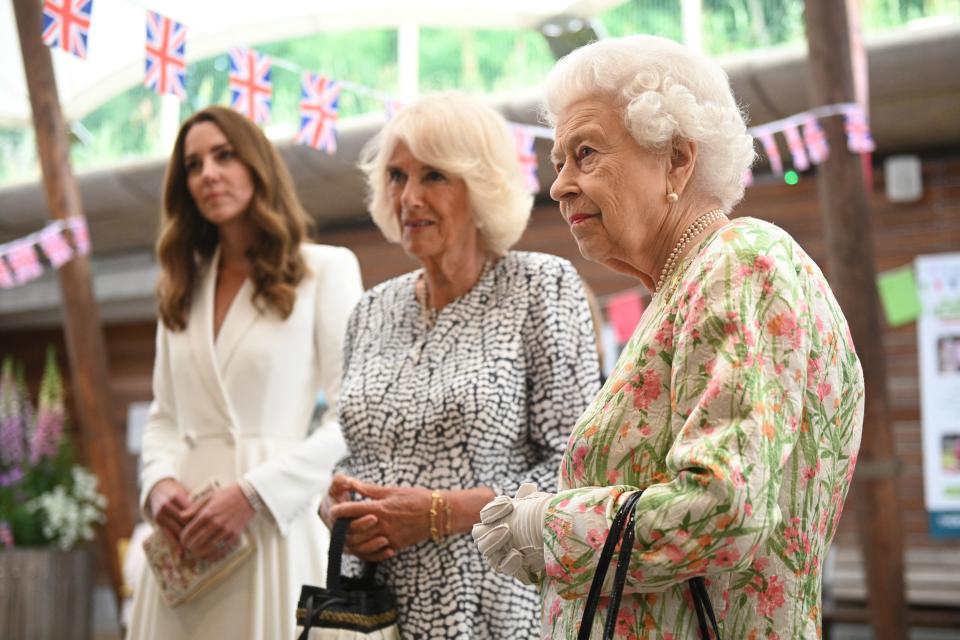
(902, 232)
(931, 225)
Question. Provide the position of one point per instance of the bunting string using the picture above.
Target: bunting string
(66, 26)
(20, 260)
(811, 146)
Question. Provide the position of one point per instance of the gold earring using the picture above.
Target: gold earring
(672, 197)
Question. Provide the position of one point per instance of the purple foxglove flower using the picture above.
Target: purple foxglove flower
(51, 414)
(11, 477)
(12, 426)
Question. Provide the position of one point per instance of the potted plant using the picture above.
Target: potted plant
(49, 506)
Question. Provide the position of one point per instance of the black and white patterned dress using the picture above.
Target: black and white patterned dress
(487, 396)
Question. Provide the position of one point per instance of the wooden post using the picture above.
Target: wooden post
(849, 234)
(100, 440)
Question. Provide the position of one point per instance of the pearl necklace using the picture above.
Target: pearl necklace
(691, 232)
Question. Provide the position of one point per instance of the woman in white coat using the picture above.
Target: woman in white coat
(252, 324)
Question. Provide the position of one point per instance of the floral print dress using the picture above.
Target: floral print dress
(737, 408)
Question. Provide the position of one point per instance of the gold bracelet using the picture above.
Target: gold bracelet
(436, 504)
(448, 520)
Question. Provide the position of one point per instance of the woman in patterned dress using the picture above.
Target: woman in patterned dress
(737, 405)
(462, 378)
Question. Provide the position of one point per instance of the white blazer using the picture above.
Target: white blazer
(240, 407)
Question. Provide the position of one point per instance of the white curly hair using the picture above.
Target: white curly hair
(666, 91)
(460, 135)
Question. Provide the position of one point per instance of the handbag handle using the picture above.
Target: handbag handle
(701, 605)
(624, 523)
(606, 555)
(338, 537)
(620, 576)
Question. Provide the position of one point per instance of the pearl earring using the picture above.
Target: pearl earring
(672, 197)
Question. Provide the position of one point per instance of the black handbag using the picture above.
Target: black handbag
(622, 530)
(348, 607)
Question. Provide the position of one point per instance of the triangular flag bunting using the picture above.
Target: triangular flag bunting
(855, 124)
(816, 140)
(798, 152)
(66, 25)
(55, 246)
(319, 97)
(24, 262)
(166, 64)
(528, 158)
(250, 87)
(773, 153)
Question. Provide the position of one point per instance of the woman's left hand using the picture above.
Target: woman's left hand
(215, 525)
(510, 533)
(393, 518)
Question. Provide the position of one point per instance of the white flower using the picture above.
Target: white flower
(69, 517)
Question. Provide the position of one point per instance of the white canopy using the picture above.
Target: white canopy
(115, 59)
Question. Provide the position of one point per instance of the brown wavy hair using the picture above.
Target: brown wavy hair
(187, 241)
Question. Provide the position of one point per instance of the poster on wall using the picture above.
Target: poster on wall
(938, 339)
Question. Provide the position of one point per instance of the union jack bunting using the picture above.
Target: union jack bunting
(250, 87)
(528, 158)
(66, 24)
(817, 146)
(773, 153)
(166, 65)
(81, 236)
(319, 96)
(6, 280)
(797, 151)
(859, 139)
(24, 262)
(55, 246)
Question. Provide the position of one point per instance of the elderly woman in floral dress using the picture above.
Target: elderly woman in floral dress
(737, 405)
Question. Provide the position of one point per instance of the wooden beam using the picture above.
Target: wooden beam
(849, 234)
(100, 439)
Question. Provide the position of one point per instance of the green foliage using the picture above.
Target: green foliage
(45, 497)
(366, 57)
(737, 25)
(124, 128)
(18, 156)
(654, 17)
(482, 61)
(25, 523)
(728, 25)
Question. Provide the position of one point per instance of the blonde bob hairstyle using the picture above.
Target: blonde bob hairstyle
(460, 136)
(188, 241)
(666, 92)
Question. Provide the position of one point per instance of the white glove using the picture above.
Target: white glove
(510, 533)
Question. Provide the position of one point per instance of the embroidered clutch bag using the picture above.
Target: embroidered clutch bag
(182, 576)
